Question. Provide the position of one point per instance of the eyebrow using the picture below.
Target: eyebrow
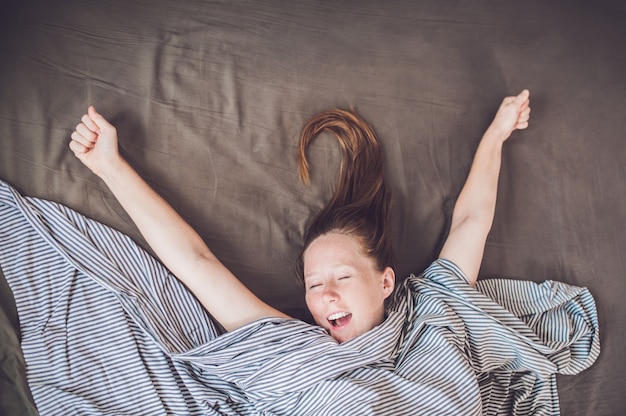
(344, 268)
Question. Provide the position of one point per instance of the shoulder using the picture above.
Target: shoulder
(442, 269)
(441, 279)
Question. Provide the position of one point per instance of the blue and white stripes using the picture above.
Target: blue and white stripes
(107, 330)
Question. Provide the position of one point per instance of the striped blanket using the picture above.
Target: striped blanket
(106, 329)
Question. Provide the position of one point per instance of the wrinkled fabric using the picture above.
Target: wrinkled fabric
(106, 329)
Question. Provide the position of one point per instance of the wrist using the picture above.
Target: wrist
(111, 170)
(496, 134)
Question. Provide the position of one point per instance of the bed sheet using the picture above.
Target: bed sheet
(209, 98)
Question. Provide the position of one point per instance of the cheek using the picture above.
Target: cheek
(370, 301)
(313, 305)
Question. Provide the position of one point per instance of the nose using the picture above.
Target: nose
(331, 294)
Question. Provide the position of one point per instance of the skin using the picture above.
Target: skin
(339, 277)
(328, 259)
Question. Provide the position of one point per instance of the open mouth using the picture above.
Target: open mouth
(339, 320)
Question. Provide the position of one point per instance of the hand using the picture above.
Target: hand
(94, 142)
(513, 114)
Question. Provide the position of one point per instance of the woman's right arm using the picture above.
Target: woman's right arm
(178, 246)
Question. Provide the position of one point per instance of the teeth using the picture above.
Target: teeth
(338, 315)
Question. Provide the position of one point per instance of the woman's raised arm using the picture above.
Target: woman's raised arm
(178, 246)
(474, 210)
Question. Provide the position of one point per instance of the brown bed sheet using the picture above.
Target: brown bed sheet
(209, 97)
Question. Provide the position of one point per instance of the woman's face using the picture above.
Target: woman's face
(345, 292)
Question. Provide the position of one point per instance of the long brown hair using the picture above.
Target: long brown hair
(361, 205)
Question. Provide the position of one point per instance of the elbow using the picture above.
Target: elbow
(476, 218)
(479, 224)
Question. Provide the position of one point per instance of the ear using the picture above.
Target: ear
(389, 281)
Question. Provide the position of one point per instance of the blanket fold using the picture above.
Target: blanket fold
(106, 329)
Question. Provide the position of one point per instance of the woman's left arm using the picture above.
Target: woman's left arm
(474, 210)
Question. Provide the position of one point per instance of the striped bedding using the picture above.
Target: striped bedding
(107, 330)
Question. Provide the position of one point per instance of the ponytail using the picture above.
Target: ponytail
(361, 205)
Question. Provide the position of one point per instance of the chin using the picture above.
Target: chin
(341, 337)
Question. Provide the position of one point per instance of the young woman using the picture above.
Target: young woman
(347, 257)
(439, 343)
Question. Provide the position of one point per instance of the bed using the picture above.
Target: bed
(209, 97)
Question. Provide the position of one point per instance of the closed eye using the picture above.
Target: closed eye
(344, 277)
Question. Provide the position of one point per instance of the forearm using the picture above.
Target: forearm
(171, 238)
(477, 200)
